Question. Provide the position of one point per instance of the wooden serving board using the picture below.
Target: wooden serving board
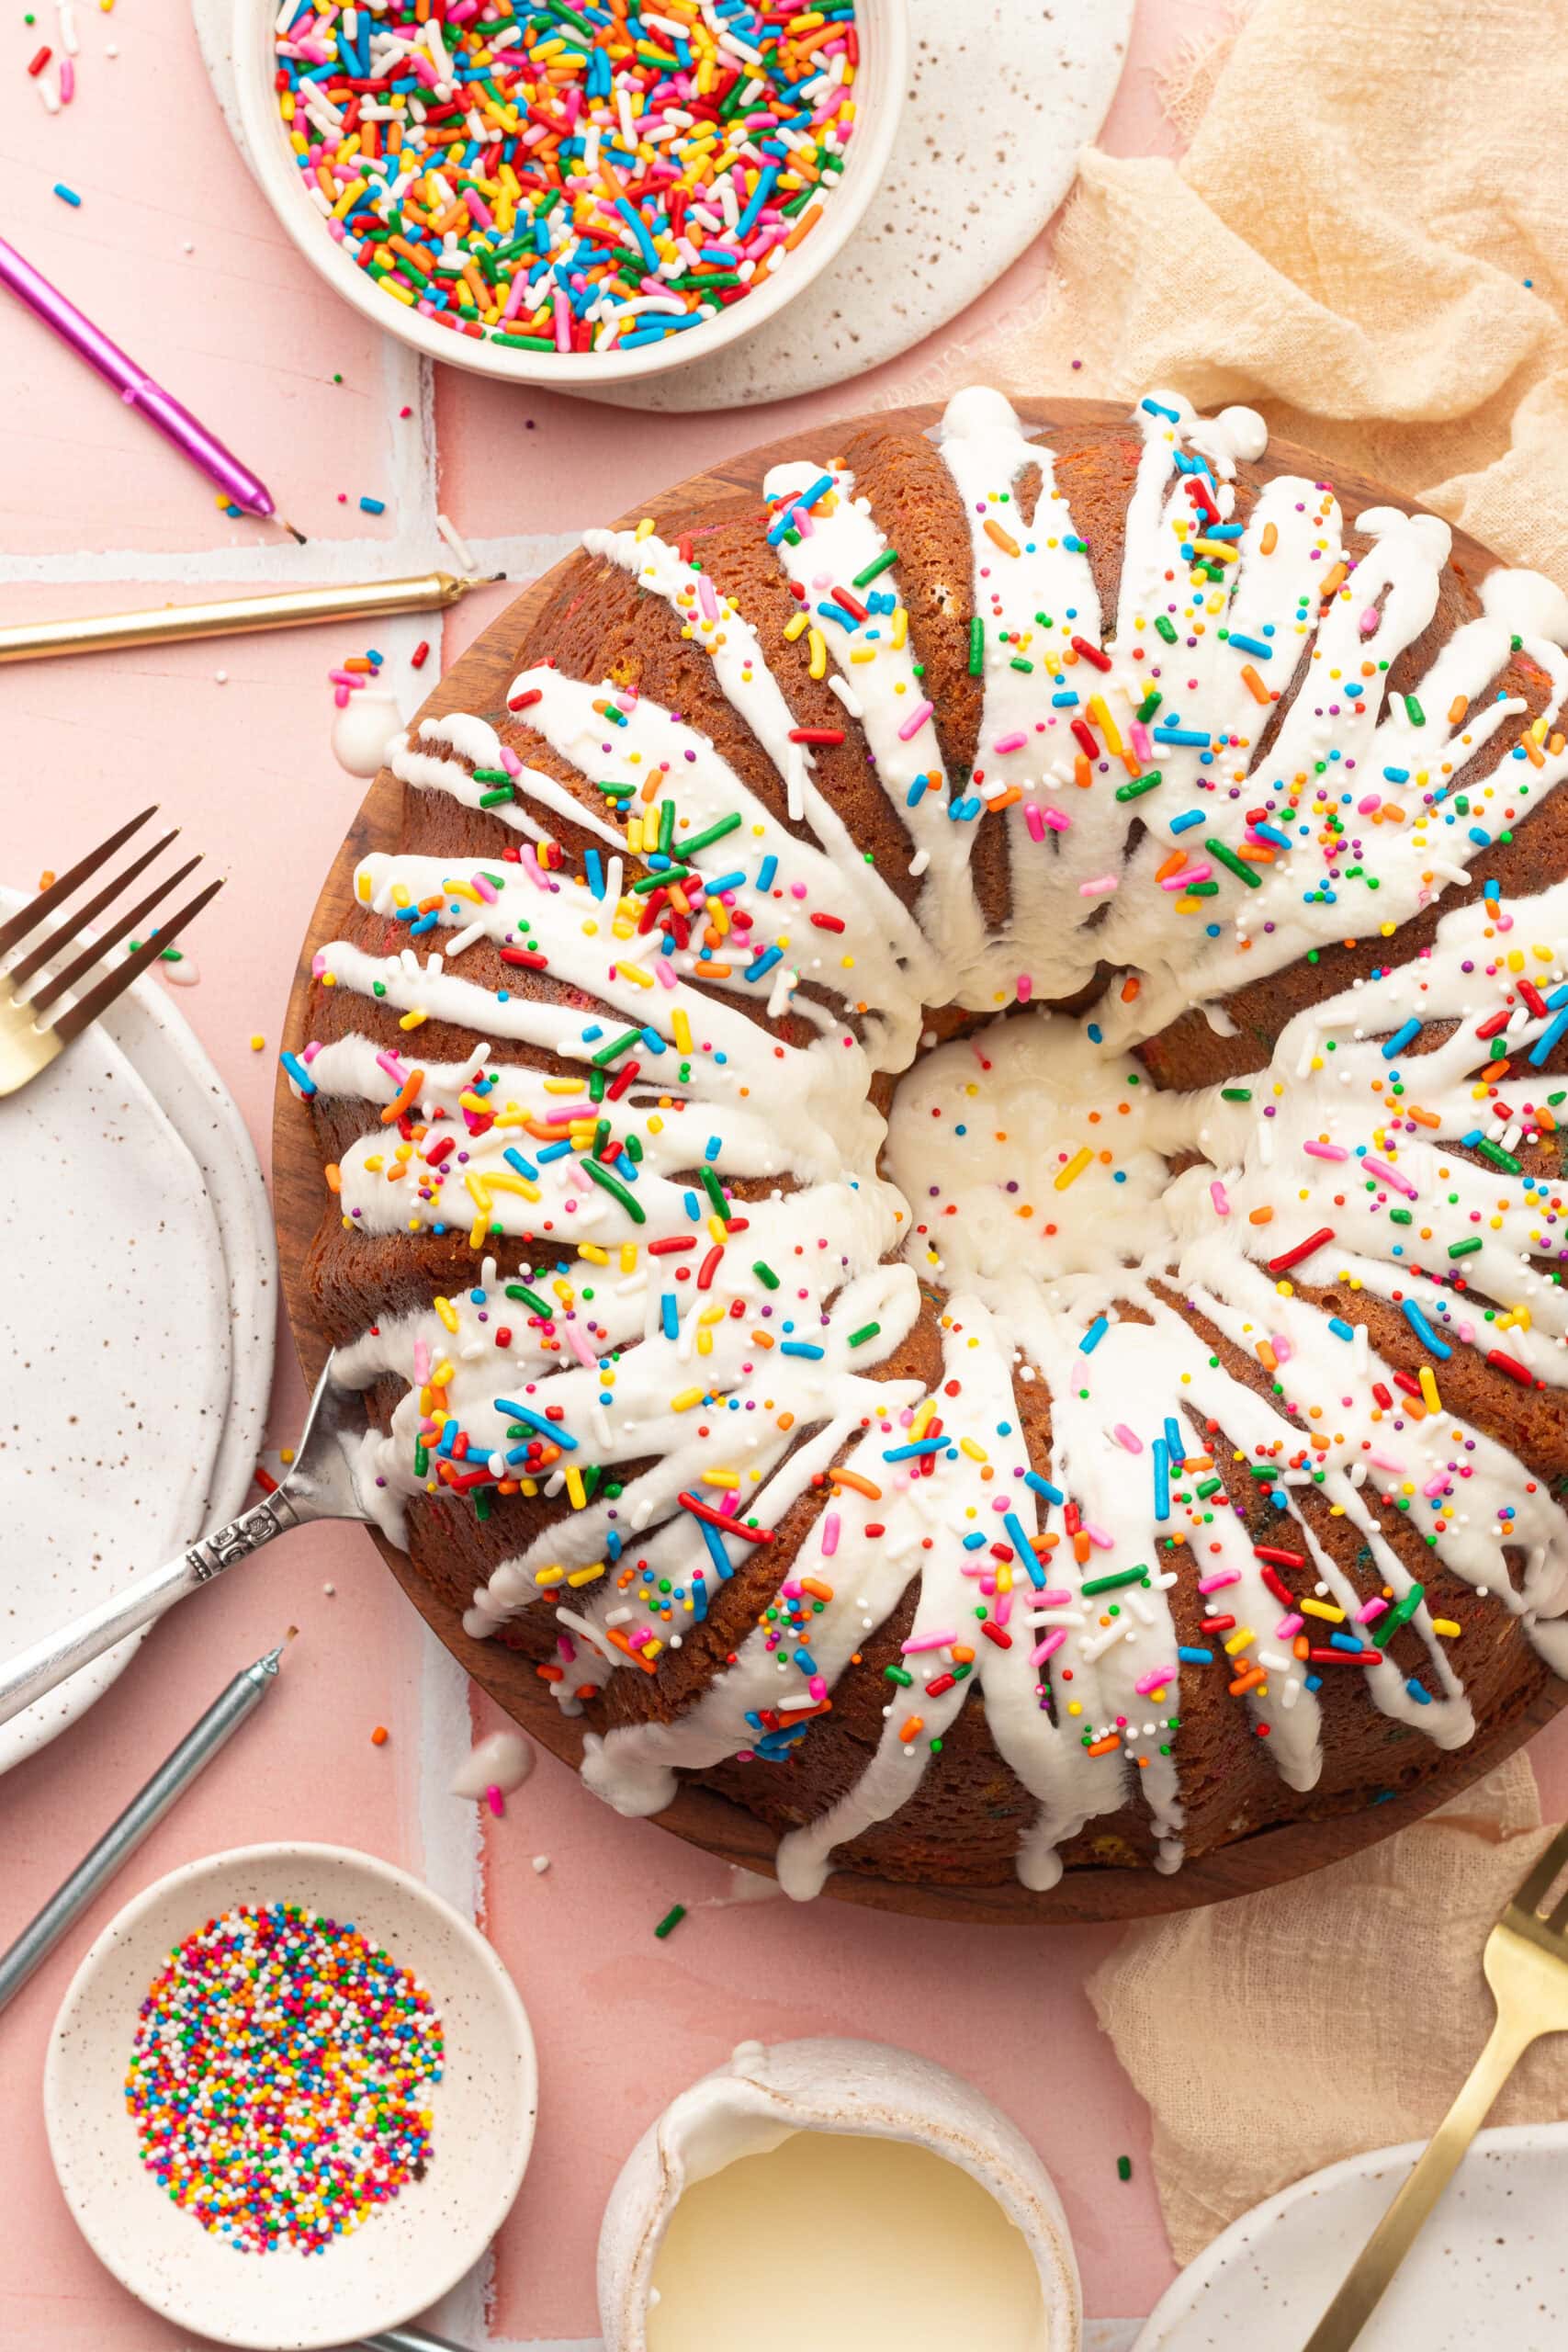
(477, 682)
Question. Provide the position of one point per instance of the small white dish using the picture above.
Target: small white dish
(1491, 2267)
(879, 86)
(403, 2258)
(144, 1310)
(866, 2089)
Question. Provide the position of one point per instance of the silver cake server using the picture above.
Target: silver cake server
(321, 1485)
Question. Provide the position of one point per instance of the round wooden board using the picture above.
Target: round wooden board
(721, 1827)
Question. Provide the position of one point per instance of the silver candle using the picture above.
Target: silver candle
(147, 1808)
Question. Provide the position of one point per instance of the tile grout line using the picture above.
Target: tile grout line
(521, 555)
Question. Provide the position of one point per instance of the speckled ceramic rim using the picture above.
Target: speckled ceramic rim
(156, 1039)
(1179, 2322)
(880, 84)
(409, 2254)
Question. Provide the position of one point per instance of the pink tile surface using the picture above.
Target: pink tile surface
(240, 328)
(237, 327)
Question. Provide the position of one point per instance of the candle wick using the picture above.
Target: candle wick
(270, 1663)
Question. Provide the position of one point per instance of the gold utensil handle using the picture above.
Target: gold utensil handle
(1406, 2216)
(229, 617)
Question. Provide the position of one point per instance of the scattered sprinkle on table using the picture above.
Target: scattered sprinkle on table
(670, 1921)
(67, 195)
(1123, 2167)
(569, 180)
(278, 2077)
(378, 1736)
(355, 671)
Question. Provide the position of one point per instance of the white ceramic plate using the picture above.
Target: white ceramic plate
(1491, 2268)
(1001, 96)
(403, 2258)
(139, 1309)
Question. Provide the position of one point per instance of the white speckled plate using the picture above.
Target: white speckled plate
(1002, 94)
(1491, 2268)
(403, 2258)
(139, 1317)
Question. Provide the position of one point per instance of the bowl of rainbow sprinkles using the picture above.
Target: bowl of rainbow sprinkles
(574, 195)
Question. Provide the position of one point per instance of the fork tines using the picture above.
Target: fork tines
(43, 951)
(1532, 1894)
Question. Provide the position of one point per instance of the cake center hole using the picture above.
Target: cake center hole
(1026, 1150)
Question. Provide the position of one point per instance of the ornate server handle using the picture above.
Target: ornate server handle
(49, 1661)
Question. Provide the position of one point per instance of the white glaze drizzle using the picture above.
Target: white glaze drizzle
(882, 689)
(445, 753)
(742, 676)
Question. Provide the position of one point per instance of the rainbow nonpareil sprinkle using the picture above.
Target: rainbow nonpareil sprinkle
(278, 2077)
(567, 179)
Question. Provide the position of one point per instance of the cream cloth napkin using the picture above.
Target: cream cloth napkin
(1367, 238)
(1272, 2035)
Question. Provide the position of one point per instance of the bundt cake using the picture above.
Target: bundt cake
(944, 1148)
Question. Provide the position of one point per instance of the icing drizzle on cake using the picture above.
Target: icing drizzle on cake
(1134, 1256)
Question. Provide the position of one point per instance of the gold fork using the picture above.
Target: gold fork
(1526, 1961)
(26, 1044)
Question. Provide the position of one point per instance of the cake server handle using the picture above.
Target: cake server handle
(321, 1485)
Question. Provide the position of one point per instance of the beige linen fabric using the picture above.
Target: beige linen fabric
(1274, 2034)
(1345, 244)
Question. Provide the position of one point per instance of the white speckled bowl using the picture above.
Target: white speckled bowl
(404, 2257)
(867, 2087)
(879, 87)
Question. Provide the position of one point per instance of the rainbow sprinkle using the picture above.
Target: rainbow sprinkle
(567, 179)
(278, 2078)
(355, 672)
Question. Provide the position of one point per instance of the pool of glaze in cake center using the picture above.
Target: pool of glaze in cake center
(849, 2243)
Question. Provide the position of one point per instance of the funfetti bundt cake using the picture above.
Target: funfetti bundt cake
(945, 1141)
